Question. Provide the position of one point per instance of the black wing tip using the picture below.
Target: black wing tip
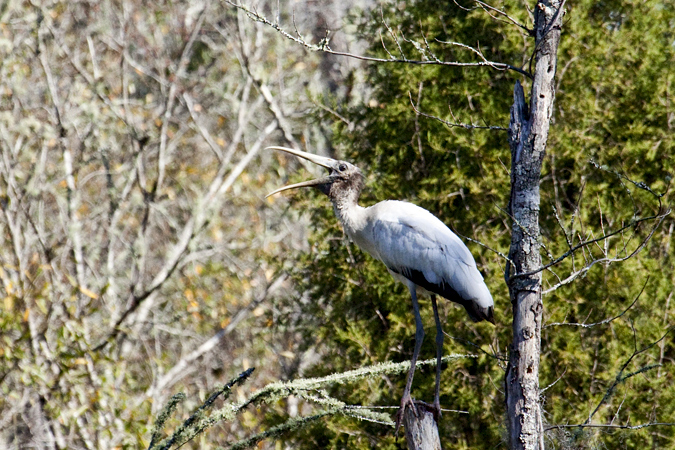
(479, 314)
(476, 312)
(490, 317)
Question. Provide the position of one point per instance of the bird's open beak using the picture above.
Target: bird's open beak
(328, 163)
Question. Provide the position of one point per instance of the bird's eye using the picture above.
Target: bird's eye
(342, 167)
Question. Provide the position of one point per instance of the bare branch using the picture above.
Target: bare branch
(350, 125)
(505, 257)
(453, 124)
(324, 47)
(610, 426)
(179, 369)
(489, 9)
(393, 36)
(171, 99)
(494, 355)
(658, 218)
(554, 383)
(218, 187)
(417, 124)
(602, 322)
(638, 184)
(202, 130)
(620, 377)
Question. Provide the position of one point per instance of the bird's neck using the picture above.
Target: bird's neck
(350, 214)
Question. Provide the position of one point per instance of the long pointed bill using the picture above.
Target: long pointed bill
(309, 183)
(316, 159)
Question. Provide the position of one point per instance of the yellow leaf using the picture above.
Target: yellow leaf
(88, 293)
(81, 361)
(42, 305)
(26, 314)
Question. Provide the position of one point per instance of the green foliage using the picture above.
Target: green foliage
(612, 124)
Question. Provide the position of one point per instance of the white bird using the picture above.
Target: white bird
(417, 248)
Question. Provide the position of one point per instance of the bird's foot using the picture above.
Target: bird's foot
(406, 402)
(434, 408)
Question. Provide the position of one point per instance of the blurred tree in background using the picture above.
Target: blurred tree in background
(134, 239)
(139, 259)
(613, 123)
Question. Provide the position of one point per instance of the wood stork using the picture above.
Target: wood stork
(417, 248)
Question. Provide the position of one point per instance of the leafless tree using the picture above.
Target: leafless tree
(130, 250)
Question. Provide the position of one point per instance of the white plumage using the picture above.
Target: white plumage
(418, 249)
(408, 238)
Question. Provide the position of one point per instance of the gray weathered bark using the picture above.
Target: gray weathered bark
(528, 133)
(421, 430)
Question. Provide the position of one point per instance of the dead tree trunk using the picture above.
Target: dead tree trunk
(528, 133)
(421, 430)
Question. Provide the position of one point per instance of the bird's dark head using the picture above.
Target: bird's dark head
(343, 182)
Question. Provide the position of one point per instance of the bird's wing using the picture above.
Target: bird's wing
(414, 243)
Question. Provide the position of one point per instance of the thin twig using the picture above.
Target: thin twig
(486, 247)
(620, 377)
(451, 124)
(632, 223)
(477, 347)
(639, 184)
(618, 427)
(326, 49)
(458, 411)
(554, 383)
(602, 322)
(350, 125)
(485, 7)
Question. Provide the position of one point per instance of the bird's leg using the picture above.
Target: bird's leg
(439, 353)
(407, 400)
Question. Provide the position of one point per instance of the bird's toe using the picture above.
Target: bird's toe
(406, 402)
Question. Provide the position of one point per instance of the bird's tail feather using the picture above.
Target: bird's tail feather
(478, 313)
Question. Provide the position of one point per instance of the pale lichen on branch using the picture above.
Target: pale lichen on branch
(324, 47)
(310, 389)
